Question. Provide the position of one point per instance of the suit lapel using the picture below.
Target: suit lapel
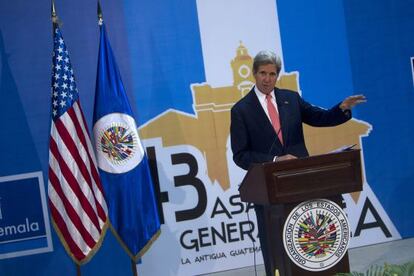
(261, 118)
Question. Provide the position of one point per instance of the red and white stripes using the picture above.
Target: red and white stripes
(76, 197)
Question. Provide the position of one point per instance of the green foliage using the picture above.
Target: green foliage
(406, 269)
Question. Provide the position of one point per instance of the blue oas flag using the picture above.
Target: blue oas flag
(122, 162)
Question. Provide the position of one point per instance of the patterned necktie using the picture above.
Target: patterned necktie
(274, 117)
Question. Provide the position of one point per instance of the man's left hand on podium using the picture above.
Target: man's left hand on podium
(285, 157)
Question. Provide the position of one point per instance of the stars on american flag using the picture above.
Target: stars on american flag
(64, 91)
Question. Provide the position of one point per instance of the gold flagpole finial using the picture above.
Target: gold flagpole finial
(54, 15)
(55, 20)
(100, 16)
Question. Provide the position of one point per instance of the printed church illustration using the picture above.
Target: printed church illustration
(208, 129)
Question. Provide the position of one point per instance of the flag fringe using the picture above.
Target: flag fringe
(93, 250)
(147, 246)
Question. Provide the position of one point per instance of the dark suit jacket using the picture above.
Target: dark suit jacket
(253, 139)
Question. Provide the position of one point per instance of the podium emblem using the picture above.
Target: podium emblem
(316, 234)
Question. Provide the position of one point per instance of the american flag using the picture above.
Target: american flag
(76, 197)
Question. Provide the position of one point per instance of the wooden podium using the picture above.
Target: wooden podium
(281, 186)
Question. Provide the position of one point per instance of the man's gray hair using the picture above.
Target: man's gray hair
(265, 58)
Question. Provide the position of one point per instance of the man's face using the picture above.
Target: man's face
(266, 77)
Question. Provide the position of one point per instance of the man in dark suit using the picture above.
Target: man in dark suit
(266, 125)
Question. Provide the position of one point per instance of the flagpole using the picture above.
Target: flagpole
(112, 101)
(78, 270)
(55, 23)
(100, 22)
(134, 268)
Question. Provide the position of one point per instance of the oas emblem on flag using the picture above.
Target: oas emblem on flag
(117, 143)
(316, 234)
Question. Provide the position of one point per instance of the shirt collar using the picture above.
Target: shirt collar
(261, 96)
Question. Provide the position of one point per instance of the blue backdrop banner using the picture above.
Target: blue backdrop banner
(184, 64)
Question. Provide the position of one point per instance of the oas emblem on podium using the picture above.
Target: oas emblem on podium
(316, 234)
